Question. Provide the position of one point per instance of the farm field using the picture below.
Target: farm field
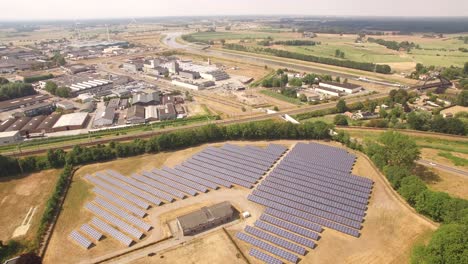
(20, 195)
(433, 51)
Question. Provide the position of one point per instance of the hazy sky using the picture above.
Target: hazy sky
(76, 9)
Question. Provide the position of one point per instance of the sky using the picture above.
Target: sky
(87, 9)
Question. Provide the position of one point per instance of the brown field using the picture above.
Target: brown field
(387, 214)
(210, 249)
(19, 194)
(449, 182)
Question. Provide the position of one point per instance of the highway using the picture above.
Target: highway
(432, 164)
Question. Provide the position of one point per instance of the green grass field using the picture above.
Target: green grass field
(281, 97)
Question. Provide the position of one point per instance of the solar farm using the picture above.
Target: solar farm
(304, 191)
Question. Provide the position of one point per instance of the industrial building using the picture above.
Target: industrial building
(97, 87)
(65, 105)
(6, 124)
(146, 99)
(189, 75)
(216, 75)
(9, 137)
(71, 122)
(205, 218)
(31, 127)
(19, 124)
(167, 112)
(136, 114)
(38, 109)
(47, 124)
(132, 66)
(151, 113)
(114, 103)
(348, 88)
(22, 102)
(328, 91)
(104, 117)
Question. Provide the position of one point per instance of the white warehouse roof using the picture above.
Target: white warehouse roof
(74, 119)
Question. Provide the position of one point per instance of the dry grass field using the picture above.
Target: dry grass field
(19, 195)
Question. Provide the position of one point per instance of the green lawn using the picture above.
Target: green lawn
(281, 97)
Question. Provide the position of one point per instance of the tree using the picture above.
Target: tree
(345, 80)
(394, 149)
(465, 68)
(284, 80)
(419, 120)
(462, 98)
(51, 87)
(295, 82)
(303, 98)
(29, 258)
(3, 81)
(411, 187)
(341, 106)
(63, 92)
(276, 108)
(340, 120)
(338, 79)
(222, 41)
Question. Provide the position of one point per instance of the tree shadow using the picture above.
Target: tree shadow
(425, 174)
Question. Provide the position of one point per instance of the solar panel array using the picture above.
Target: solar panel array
(120, 202)
(310, 188)
(267, 247)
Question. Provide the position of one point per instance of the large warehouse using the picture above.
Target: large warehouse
(205, 218)
(348, 88)
(71, 122)
(93, 87)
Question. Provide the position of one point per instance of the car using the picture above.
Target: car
(151, 254)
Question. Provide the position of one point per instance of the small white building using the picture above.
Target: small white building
(9, 137)
(348, 88)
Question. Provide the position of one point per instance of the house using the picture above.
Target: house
(348, 88)
(310, 95)
(167, 112)
(205, 218)
(364, 115)
(9, 137)
(136, 114)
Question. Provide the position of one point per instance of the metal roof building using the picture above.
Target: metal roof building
(206, 218)
(71, 122)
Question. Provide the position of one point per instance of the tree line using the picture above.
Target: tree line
(265, 130)
(37, 78)
(365, 66)
(394, 45)
(10, 91)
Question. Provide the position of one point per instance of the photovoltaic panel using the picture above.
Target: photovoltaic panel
(264, 257)
(91, 232)
(104, 227)
(114, 221)
(118, 192)
(168, 182)
(179, 171)
(289, 226)
(141, 186)
(138, 222)
(219, 175)
(267, 247)
(159, 186)
(80, 239)
(284, 234)
(171, 174)
(275, 240)
(127, 206)
(187, 168)
(131, 189)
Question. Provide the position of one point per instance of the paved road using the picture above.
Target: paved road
(439, 166)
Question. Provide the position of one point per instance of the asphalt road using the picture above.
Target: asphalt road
(439, 166)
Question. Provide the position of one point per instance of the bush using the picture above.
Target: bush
(410, 189)
(340, 120)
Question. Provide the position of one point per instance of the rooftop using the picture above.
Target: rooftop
(343, 85)
(205, 214)
(74, 119)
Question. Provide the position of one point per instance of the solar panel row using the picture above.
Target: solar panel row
(220, 151)
(202, 167)
(285, 234)
(124, 215)
(159, 186)
(275, 240)
(264, 257)
(153, 191)
(268, 248)
(308, 209)
(179, 171)
(191, 169)
(104, 227)
(169, 182)
(232, 162)
(127, 206)
(225, 168)
(289, 226)
(91, 232)
(131, 189)
(114, 221)
(80, 239)
(173, 177)
(118, 191)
